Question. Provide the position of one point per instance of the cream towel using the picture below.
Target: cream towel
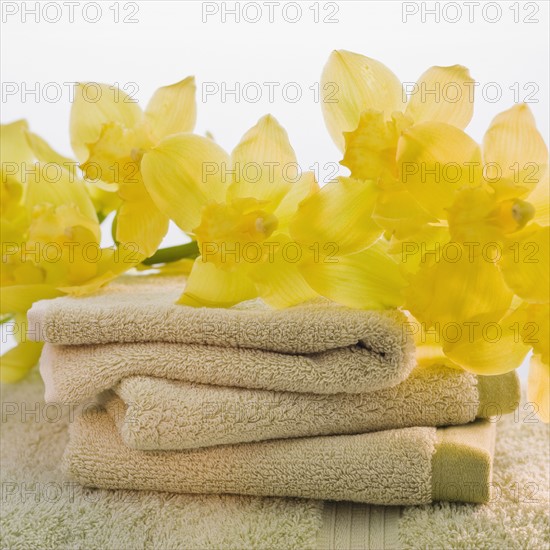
(42, 509)
(142, 309)
(158, 414)
(389, 467)
(74, 373)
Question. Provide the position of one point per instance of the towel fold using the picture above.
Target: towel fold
(142, 309)
(389, 467)
(158, 414)
(41, 509)
(74, 373)
(134, 328)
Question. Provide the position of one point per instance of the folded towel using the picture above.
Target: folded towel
(157, 414)
(74, 373)
(142, 309)
(134, 328)
(406, 466)
(42, 509)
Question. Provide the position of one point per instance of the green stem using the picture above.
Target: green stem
(173, 254)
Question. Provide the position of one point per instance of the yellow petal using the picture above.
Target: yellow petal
(62, 192)
(51, 185)
(525, 264)
(45, 154)
(209, 286)
(538, 387)
(532, 324)
(371, 148)
(182, 174)
(415, 250)
(455, 286)
(58, 187)
(172, 109)
(369, 279)
(352, 83)
(398, 212)
(452, 102)
(485, 346)
(142, 225)
(114, 156)
(19, 298)
(265, 163)
(540, 199)
(278, 279)
(93, 106)
(303, 188)
(15, 148)
(428, 344)
(348, 204)
(113, 262)
(515, 145)
(18, 361)
(470, 216)
(434, 161)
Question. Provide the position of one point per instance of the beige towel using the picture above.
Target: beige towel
(406, 466)
(74, 373)
(142, 309)
(134, 328)
(42, 509)
(158, 414)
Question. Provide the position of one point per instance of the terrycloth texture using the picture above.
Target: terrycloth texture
(142, 309)
(157, 414)
(42, 509)
(94, 519)
(74, 373)
(389, 467)
(517, 516)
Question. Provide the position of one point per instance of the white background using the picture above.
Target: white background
(174, 39)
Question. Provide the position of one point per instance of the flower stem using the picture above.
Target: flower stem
(173, 254)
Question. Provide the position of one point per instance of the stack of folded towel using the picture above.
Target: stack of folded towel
(316, 401)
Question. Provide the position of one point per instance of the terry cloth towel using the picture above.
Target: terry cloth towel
(133, 327)
(158, 414)
(405, 466)
(144, 311)
(75, 373)
(42, 509)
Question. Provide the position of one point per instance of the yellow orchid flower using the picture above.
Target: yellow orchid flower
(469, 224)
(511, 188)
(441, 94)
(391, 140)
(532, 322)
(489, 252)
(109, 135)
(50, 237)
(348, 260)
(238, 207)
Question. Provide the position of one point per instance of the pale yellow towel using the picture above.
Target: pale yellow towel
(74, 373)
(142, 309)
(157, 414)
(42, 509)
(389, 467)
